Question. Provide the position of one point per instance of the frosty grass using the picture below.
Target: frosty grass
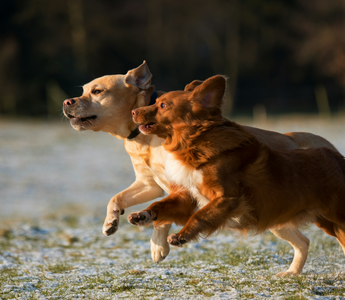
(54, 249)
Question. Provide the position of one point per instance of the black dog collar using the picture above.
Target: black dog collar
(136, 131)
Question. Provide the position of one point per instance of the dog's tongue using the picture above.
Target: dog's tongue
(146, 126)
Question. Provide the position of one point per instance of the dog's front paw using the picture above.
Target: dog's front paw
(141, 218)
(159, 251)
(159, 245)
(286, 274)
(176, 240)
(112, 222)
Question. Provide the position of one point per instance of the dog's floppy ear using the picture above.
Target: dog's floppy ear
(140, 77)
(209, 95)
(191, 86)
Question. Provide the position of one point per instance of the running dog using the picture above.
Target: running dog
(106, 105)
(221, 175)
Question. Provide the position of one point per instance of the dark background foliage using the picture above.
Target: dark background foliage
(286, 55)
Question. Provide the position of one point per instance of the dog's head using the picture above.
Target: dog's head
(199, 101)
(107, 102)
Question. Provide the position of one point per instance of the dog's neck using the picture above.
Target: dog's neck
(196, 145)
(135, 132)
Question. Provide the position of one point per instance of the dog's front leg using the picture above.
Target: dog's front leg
(175, 208)
(208, 219)
(159, 245)
(142, 190)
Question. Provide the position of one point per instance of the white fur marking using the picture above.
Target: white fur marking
(188, 178)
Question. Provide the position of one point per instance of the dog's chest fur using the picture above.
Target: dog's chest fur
(191, 179)
(185, 177)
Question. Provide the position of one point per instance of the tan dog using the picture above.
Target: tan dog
(106, 105)
(222, 175)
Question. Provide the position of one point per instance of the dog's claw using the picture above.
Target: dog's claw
(176, 240)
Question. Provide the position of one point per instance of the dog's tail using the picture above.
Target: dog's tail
(306, 140)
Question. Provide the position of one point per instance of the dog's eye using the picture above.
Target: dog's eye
(163, 105)
(96, 92)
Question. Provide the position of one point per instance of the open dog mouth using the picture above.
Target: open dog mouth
(145, 128)
(84, 119)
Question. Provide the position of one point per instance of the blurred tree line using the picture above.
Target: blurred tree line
(286, 55)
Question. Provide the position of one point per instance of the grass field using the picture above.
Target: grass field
(55, 184)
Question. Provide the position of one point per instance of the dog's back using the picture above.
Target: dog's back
(296, 186)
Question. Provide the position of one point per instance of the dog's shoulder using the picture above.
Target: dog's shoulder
(227, 137)
(146, 150)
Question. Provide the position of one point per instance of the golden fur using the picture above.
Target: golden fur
(106, 105)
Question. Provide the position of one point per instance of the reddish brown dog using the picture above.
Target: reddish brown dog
(106, 105)
(221, 175)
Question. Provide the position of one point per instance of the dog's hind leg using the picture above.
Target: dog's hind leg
(300, 244)
(340, 234)
(325, 225)
(333, 229)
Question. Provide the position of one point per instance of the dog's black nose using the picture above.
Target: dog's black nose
(68, 102)
(135, 112)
